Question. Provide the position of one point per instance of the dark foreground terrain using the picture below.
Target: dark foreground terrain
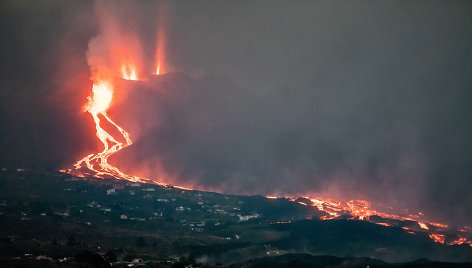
(51, 219)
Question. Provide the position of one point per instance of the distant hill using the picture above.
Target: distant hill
(308, 261)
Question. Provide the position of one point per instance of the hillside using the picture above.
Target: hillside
(57, 219)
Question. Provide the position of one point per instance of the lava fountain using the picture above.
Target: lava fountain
(159, 57)
(129, 72)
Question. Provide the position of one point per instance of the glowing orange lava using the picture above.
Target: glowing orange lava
(423, 225)
(459, 241)
(98, 103)
(439, 238)
(124, 58)
(363, 210)
(115, 52)
(129, 72)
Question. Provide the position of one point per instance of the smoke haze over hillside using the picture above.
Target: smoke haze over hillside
(355, 99)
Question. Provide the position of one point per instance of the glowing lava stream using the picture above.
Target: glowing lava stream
(362, 210)
(98, 103)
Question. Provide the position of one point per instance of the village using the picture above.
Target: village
(80, 207)
(51, 219)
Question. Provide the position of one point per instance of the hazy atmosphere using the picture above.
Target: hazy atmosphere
(370, 100)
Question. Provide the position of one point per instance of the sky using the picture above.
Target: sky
(353, 99)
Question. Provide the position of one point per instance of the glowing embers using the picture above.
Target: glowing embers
(129, 72)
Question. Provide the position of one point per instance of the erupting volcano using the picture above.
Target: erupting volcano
(114, 53)
(202, 134)
(97, 165)
(124, 59)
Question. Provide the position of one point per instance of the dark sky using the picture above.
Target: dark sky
(356, 99)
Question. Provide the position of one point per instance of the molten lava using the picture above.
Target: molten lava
(440, 238)
(98, 103)
(129, 72)
(459, 241)
(362, 210)
(123, 56)
(423, 225)
(115, 51)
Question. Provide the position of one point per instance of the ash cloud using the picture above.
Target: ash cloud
(359, 100)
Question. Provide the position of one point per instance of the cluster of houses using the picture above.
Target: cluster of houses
(226, 210)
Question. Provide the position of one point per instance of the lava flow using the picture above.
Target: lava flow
(115, 52)
(97, 105)
(362, 210)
